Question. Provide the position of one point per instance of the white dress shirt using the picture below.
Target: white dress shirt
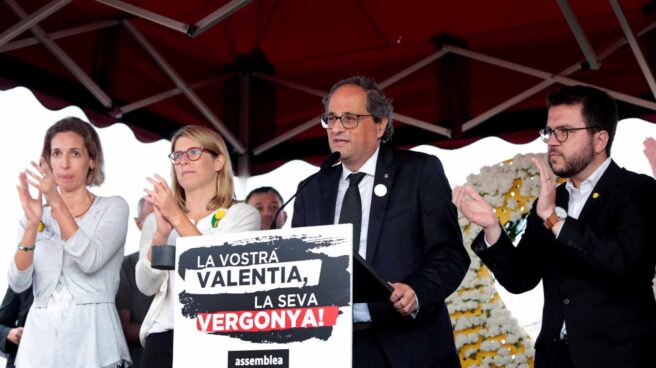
(366, 188)
(577, 198)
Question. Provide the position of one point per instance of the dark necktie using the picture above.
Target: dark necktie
(351, 212)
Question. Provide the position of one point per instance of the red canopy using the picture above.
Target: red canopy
(255, 70)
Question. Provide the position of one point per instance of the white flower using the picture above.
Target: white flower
(521, 358)
(511, 338)
(501, 360)
(470, 353)
(512, 203)
(492, 183)
(490, 345)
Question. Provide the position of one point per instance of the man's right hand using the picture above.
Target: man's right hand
(15, 335)
(477, 211)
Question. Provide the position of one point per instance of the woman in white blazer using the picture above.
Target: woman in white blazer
(200, 201)
(70, 251)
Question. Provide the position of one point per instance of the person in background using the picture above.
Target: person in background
(131, 303)
(70, 252)
(200, 201)
(267, 201)
(13, 313)
(144, 209)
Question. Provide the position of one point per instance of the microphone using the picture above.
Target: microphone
(326, 164)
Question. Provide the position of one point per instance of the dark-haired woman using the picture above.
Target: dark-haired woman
(70, 251)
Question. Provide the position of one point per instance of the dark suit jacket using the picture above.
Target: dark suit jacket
(129, 297)
(596, 276)
(13, 313)
(414, 238)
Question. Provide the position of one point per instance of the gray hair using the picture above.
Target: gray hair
(378, 105)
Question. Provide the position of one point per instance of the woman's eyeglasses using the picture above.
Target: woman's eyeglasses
(193, 154)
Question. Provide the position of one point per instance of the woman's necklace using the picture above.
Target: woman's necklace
(91, 197)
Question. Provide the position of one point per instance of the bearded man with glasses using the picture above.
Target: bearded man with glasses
(590, 241)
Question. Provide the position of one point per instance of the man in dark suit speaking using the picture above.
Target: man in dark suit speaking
(591, 241)
(404, 226)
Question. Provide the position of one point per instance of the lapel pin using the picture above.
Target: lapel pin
(595, 195)
(386, 176)
(380, 190)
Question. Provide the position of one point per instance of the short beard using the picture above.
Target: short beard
(575, 164)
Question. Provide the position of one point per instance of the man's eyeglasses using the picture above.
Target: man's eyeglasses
(349, 121)
(560, 133)
(193, 154)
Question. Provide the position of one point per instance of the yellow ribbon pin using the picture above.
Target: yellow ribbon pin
(218, 215)
(595, 195)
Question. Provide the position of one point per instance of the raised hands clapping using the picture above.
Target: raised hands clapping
(546, 203)
(164, 203)
(43, 182)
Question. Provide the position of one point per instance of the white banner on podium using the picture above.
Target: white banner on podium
(279, 298)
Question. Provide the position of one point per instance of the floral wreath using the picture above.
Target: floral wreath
(486, 334)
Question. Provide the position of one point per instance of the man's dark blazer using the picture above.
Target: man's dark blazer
(13, 313)
(413, 238)
(597, 276)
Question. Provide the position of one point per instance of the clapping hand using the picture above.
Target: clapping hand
(43, 179)
(546, 203)
(164, 203)
(474, 207)
(477, 211)
(33, 207)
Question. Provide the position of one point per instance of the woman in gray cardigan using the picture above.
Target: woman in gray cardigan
(70, 251)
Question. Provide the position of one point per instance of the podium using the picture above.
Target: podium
(368, 286)
(268, 296)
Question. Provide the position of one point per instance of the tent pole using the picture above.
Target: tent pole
(182, 86)
(244, 164)
(120, 111)
(579, 35)
(544, 75)
(544, 84)
(412, 69)
(31, 41)
(292, 85)
(31, 20)
(285, 136)
(217, 16)
(57, 51)
(633, 43)
(147, 14)
(422, 124)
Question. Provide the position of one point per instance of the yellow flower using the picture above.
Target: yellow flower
(218, 215)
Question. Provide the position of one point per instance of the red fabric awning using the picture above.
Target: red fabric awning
(314, 44)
